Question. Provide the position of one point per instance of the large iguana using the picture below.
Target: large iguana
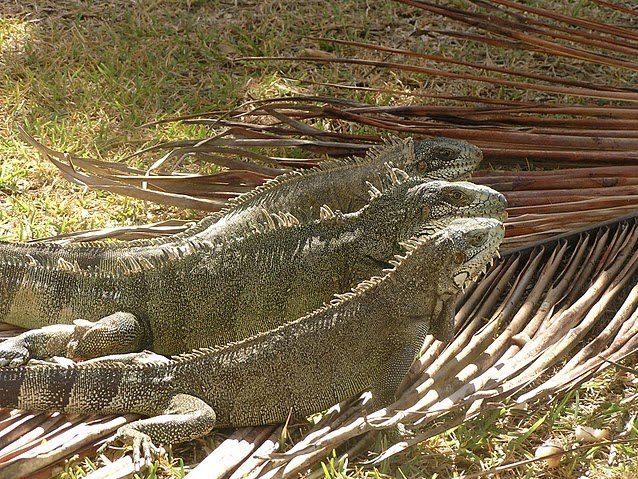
(215, 292)
(339, 184)
(378, 327)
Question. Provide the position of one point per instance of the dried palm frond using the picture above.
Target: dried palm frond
(579, 122)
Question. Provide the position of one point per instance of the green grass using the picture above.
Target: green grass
(84, 76)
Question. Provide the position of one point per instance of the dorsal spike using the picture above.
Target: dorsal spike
(400, 175)
(269, 220)
(64, 265)
(325, 213)
(292, 220)
(373, 191)
(279, 219)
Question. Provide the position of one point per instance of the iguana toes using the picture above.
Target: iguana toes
(213, 293)
(378, 327)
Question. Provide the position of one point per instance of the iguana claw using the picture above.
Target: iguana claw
(144, 451)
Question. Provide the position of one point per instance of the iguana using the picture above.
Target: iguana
(333, 183)
(215, 292)
(378, 328)
(339, 184)
(342, 184)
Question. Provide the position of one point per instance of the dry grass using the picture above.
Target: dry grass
(85, 77)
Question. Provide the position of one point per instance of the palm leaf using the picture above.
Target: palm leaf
(535, 308)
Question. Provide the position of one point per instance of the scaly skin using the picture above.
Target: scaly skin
(214, 293)
(382, 324)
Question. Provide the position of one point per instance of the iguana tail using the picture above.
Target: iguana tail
(74, 389)
(105, 387)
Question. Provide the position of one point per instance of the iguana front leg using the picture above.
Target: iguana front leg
(185, 418)
(42, 343)
(439, 321)
(115, 334)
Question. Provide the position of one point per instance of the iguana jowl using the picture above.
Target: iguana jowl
(260, 380)
(214, 293)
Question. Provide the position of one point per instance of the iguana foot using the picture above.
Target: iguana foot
(42, 343)
(117, 333)
(13, 353)
(178, 418)
(144, 451)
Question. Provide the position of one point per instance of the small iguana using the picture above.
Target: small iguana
(212, 293)
(378, 327)
(342, 184)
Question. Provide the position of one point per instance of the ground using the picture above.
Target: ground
(86, 76)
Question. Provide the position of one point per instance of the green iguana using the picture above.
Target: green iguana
(342, 184)
(379, 327)
(339, 184)
(214, 292)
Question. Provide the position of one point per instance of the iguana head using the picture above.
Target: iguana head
(443, 159)
(417, 206)
(434, 158)
(469, 247)
(463, 250)
(440, 202)
(435, 269)
(456, 255)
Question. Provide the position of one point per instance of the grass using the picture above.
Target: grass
(84, 77)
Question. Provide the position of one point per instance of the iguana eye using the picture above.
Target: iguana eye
(456, 195)
(477, 238)
(446, 153)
